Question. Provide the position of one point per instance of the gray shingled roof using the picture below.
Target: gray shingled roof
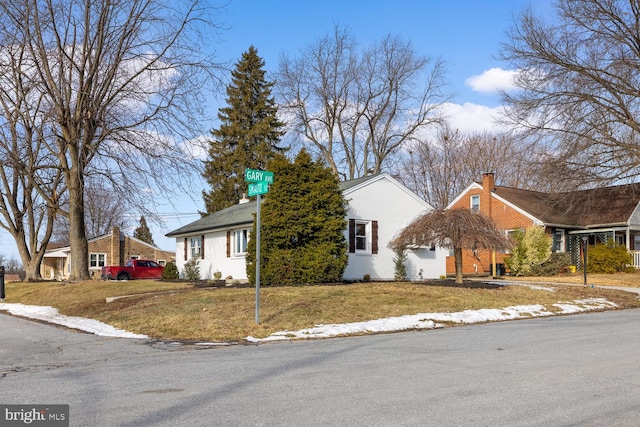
(608, 205)
(345, 185)
(235, 215)
(239, 214)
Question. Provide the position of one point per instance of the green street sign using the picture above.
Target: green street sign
(255, 175)
(256, 188)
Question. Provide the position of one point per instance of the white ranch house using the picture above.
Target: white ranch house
(378, 207)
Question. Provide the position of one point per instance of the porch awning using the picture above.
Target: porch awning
(56, 254)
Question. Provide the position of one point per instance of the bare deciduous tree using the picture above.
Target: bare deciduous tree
(120, 82)
(357, 107)
(29, 188)
(578, 87)
(456, 229)
(439, 169)
(102, 211)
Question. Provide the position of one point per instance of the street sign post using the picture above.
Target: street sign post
(259, 182)
(256, 175)
(257, 188)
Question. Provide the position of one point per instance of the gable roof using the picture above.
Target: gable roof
(584, 208)
(232, 216)
(347, 185)
(242, 214)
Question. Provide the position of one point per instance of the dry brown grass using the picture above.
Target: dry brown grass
(631, 280)
(181, 312)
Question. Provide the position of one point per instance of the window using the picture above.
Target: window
(363, 236)
(558, 240)
(240, 240)
(162, 262)
(475, 203)
(196, 246)
(97, 260)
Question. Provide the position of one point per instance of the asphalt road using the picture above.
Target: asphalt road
(561, 371)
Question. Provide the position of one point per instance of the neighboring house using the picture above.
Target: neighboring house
(110, 249)
(610, 213)
(378, 207)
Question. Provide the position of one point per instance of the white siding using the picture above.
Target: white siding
(393, 206)
(215, 258)
(635, 216)
(380, 199)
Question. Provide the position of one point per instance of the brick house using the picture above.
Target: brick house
(110, 249)
(598, 215)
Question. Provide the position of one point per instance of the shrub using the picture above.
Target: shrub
(400, 269)
(302, 239)
(557, 263)
(608, 258)
(532, 248)
(170, 271)
(191, 270)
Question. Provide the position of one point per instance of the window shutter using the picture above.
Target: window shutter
(352, 236)
(186, 244)
(202, 247)
(228, 244)
(374, 237)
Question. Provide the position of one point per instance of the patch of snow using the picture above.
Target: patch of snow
(390, 324)
(51, 315)
(428, 320)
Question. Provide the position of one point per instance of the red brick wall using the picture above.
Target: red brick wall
(505, 217)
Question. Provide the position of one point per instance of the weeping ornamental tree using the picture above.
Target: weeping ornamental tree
(303, 223)
(455, 229)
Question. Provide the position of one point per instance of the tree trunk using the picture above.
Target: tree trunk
(30, 256)
(30, 264)
(457, 252)
(32, 270)
(77, 231)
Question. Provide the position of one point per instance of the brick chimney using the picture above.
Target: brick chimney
(115, 246)
(488, 186)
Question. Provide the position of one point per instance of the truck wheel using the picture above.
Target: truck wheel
(123, 276)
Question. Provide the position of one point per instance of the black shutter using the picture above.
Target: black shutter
(374, 237)
(352, 236)
(186, 241)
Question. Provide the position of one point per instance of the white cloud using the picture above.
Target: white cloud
(196, 148)
(469, 117)
(492, 80)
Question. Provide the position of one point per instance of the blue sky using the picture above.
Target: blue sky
(465, 33)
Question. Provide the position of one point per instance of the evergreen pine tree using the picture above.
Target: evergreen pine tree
(302, 225)
(248, 136)
(143, 233)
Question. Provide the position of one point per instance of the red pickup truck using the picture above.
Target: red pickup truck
(133, 269)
